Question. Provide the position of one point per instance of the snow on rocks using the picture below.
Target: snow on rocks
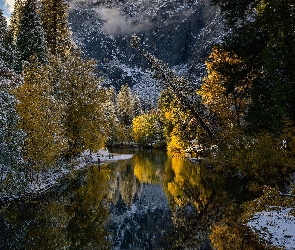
(276, 225)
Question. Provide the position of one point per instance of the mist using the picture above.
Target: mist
(116, 24)
(146, 15)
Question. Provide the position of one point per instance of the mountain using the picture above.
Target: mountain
(179, 32)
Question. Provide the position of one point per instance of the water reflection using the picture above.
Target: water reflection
(70, 217)
(153, 201)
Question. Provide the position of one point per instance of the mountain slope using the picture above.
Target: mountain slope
(179, 32)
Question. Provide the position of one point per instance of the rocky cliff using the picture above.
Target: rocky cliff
(179, 32)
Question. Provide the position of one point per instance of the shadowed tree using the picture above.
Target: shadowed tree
(54, 18)
(30, 40)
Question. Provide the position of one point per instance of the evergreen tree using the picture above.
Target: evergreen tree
(125, 105)
(136, 106)
(11, 137)
(3, 34)
(11, 144)
(15, 19)
(262, 37)
(31, 39)
(110, 112)
(54, 18)
(3, 26)
(6, 42)
(277, 19)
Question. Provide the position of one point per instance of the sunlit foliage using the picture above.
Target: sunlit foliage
(228, 106)
(147, 130)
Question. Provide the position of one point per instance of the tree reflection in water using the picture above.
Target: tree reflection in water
(71, 216)
(153, 201)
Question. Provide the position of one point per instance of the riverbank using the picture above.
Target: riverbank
(272, 217)
(45, 180)
(275, 225)
(102, 156)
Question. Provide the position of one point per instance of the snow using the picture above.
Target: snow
(276, 225)
(103, 155)
(48, 179)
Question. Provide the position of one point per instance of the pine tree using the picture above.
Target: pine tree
(55, 24)
(11, 144)
(136, 106)
(111, 113)
(15, 19)
(125, 105)
(3, 26)
(3, 34)
(30, 39)
(6, 42)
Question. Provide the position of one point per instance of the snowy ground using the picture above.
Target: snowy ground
(103, 156)
(276, 225)
(51, 177)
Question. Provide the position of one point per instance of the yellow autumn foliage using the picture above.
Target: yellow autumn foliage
(229, 108)
(86, 119)
(40, 116)
(187, 185)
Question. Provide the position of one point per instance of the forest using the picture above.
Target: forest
(55, 105)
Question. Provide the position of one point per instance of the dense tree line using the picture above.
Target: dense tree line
(244, 109)
(53, 104)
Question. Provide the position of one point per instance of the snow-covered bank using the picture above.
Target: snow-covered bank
(46, 179)
(276, 225)
(102, 156)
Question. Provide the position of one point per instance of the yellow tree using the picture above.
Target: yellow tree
(147, 130)
(229, 108)
(179, 127)
(40, 116)
(86, 119)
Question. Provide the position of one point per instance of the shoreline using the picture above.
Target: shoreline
(52, 178)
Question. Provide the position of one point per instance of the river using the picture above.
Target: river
(152, 201)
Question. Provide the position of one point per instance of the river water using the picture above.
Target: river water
(152, 201)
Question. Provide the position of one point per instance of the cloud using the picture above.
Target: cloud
(9, 4)
(146, 15)
(116, 24)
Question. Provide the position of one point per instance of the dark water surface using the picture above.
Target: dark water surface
(153, 201)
